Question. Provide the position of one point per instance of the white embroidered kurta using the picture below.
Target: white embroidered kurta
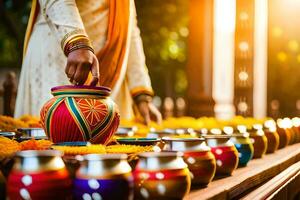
(44, 62)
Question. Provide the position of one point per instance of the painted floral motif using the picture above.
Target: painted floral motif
(93, 110)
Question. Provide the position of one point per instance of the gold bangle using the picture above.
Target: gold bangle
(72, 34)
(74, 39)
(82, 43)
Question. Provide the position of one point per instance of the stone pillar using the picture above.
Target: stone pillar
(199, 67)
(223, 73)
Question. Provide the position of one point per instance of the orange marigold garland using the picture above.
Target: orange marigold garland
(35, 144)
(81, 150)
(9, 123)
(8, 147)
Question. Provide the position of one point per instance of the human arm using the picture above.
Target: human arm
(65, 23)
(138, 78)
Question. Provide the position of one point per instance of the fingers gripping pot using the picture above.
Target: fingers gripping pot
(80, 113)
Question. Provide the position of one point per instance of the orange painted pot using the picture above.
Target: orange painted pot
(273, 140)
(80, 113)
(297, 133)
(198, 156)
(260, 142)
(284, 137)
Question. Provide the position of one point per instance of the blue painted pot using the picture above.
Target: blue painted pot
(104, 177)
(244, 146)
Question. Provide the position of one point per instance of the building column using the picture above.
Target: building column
(200, 64)
(260, 58)
(223, 58)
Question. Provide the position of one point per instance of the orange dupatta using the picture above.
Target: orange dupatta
(111, 56)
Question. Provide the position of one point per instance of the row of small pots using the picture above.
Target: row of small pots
(43, 175)
(157, 175)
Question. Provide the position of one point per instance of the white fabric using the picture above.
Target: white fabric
(44, 62)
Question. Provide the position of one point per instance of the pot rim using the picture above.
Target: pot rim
(39, 153)
(160, 154)
(144, 139)
(182, 139)
(73, 90)
(210, 136)
(112, 156)
(29, 129)
(78, 87)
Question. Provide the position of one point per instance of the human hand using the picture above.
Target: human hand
(148, 111)
(79, 63)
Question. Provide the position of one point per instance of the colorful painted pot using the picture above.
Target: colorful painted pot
(244, 146)
(106, 176)
(292, 132)
(80, 113)
(296, 128)
(198, 156)
(260, 142)
(161, 175)
(284, 137)
(273, 139)
(225, 153)
(39, 175)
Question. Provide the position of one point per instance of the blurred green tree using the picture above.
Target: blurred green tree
(13, 20)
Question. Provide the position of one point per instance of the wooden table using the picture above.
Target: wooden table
(244, 179)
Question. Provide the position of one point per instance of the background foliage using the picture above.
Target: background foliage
(164, 32)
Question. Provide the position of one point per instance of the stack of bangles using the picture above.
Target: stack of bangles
(74, 40)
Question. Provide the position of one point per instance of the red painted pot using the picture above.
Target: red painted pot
(198, 156)
(225, 153)
(39, 175)
(80, 113)
(161, 175)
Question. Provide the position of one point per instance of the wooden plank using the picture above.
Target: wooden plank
(277, 185)
(257, 172)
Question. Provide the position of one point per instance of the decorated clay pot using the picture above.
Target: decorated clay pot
(80, 113)
(296, 127)
(284, 137)
(273, 139)
(161, 175)
(260, 142)
(39, 175)
(198, 156)
(225, 153)
(244, 146)
(292, 132)
(106, 176)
